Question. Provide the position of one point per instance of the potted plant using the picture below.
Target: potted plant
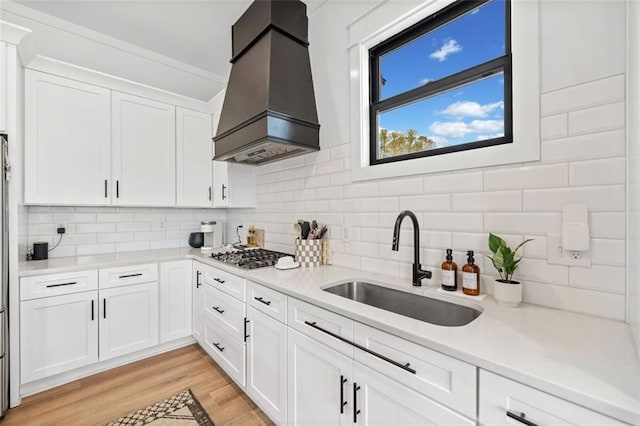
(506, 291)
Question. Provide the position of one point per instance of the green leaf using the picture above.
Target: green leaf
(521, 244)
(495, 242)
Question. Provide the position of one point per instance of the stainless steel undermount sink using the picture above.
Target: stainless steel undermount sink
(411, 305)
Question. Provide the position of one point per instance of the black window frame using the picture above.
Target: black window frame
(502, 64)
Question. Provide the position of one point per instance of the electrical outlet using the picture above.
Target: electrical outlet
(557, 255)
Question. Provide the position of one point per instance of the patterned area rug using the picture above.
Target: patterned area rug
(182, 409)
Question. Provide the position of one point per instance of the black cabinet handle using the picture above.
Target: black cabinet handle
(130, 275)
(356, 388)
(117, 189)
(219, 280)
(104, 308)
(218, 310)
(209, 193)
(92, 311)
(62, 284)
(405, 366)
(105, 188)
(218, 347)
(223, 188)
(261, 300)
(198, 273)
(342, 401)
(520, 418)
(246, 321)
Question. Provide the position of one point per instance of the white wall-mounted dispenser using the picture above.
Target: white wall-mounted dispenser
(572, 246)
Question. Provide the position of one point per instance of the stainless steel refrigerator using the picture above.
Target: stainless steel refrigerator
(4, 282)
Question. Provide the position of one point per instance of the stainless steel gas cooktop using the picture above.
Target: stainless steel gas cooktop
(249, 258)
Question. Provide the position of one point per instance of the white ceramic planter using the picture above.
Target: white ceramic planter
(507, 294)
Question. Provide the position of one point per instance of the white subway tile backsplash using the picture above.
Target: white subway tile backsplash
(435, 239)
(361, 190)
(376, 205)
(584, 147)
(343, 205)
(597, 119)
(87, 228)
(62, 251)
(426, 203)
(599, 92)
(380, 266)
(500, 201)
(133, 246)
(331, 166)
(35, 218)
(608, 252)
(545, 176)
(607, 225)
(77, 239)
(113, 217)
(598, 277)
(73, 217)
(343, 178)
(317, 181)
(452, 221)
(330, 193)
(453, 182)
(537, 248)
(603, 304)
(554, 127)
(400, 187)
(526, 223)
(597, 198)
(91, 249)
(597, 172)
(541, 271)
(362, 249)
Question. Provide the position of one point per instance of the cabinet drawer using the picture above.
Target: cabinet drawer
(440, 377)
(499, 396)
(228, 352)
(267, 301)
(58, 284)
(125, 275)
(225, 310)
(318, 323)
(228, 283)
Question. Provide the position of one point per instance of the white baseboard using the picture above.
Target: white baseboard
(69, 376)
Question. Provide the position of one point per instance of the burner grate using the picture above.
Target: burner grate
(250, 259)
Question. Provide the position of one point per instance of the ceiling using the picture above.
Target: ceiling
(194, 32)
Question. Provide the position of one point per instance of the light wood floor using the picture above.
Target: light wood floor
(107, 396)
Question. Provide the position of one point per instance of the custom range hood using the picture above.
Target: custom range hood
(269, 111)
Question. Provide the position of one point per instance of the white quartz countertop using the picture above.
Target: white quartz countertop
(588, 360)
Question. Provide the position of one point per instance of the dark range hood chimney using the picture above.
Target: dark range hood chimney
(269, 111)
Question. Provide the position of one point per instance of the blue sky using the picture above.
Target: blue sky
(470, 113)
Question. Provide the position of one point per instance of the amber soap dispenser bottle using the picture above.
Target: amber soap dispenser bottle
(449, 273)
(470, 276)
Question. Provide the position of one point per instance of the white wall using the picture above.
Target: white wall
(583, 160)
(634, 168)
(99, 230)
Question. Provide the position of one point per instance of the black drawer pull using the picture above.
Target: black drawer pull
(218, 347)
(62, 284)
(246, 321)
(356, 388)
(198, 273)
(219, 280)
(261, 300)
(92, 311)
(520, 418)
(130, 275)
(362, 348)
(218, 310)
(104, 308)
(342, 401)
(105, 188)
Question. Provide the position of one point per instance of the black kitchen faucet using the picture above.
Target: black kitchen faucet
(418, 273)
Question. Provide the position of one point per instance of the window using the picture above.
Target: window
(443, 84)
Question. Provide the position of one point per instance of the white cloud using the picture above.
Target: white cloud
(440, 141)
(425, 80)
(474, 11)
(471, 109)
(456, 129)
(450, 46)
(484, 137)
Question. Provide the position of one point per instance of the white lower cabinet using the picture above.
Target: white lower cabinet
(175, 300)
(58, 334)
(228, 352)
(267, 364)
(129, 319)
(378, 400)
(319, 380)
(506, 402)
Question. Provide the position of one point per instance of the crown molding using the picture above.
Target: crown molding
(12, 33)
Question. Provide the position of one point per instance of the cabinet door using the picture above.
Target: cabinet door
(58, 334)
(220, 184)
(194, 158)
(144, 151)
(175, 300)
(67, 141)
(319, 382)
(382, 401)
(267, 364)
(198, 302)
(128, 319)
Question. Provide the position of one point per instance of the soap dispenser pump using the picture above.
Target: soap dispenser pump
(449, 273)
(471, 276)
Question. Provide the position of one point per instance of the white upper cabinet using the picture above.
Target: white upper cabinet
(67, 141)
(194, 153)
(144, 151)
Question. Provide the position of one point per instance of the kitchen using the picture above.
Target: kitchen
(572, 345)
